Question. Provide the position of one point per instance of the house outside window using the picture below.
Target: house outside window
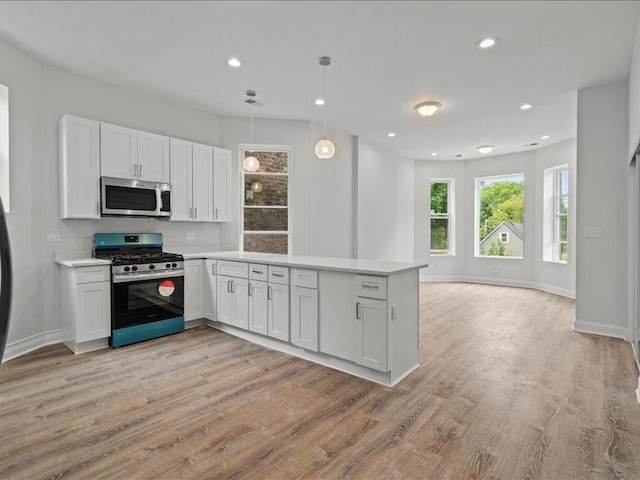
(499, 216)
(441, 217)
(265, 201)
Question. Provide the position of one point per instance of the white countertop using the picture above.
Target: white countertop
(356, 265)
(81, 262)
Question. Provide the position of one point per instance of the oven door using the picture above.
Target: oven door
(145, 301)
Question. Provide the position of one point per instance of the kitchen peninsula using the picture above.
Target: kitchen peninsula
(357, 316)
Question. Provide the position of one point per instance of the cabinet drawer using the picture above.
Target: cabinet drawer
(233, 269)
(279, 275)
(93, 274)
(257, 272)
(371, 287)
(304, 278)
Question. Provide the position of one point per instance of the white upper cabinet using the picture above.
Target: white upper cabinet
(202, 183)
(153, 157)
(129, 153)
(181, 165)
(79, 168)
(118, 151)
(221, 185)
(191, 181)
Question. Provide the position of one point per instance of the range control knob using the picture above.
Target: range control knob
(134, 268)
(126, 269)
(151, 267)
(168, 265)
(174, 265)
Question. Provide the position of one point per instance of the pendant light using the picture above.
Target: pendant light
(251, 163)
(325, 148)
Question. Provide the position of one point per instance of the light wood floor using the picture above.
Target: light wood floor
(506, 391)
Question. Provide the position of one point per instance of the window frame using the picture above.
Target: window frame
(244, 147)
(449, 216)
(506, 234)
(557, 195)
(476, 223)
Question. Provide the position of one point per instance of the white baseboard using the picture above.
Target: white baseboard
(500, 282)
(600, 329)
(194, 323)
(29, 344)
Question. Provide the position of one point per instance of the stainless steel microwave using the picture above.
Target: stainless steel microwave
(124, 197)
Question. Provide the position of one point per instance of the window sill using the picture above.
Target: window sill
(499, 257)
(561, 262)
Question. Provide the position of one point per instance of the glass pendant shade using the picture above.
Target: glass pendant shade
(325, 148)
(251, 164)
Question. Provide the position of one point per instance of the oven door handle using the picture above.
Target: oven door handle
(135, 277)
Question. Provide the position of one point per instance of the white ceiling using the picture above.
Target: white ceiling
(387, 56)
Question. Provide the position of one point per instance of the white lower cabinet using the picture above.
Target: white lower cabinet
(278, 311)
(210, 289)
(304, 317)
(233, 302)
(258, 299)
(86, 307)
(372, 333)
(193, 291)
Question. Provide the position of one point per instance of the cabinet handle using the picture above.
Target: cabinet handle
(213, 269)
(277, 274)
(216, 213)
(358, 310)
(190, 212)
(140, 170)
(370, 285)
(269, 293)
(195, 212)
(233, 286)
(250, 290)
(228, 286)
(258, 272)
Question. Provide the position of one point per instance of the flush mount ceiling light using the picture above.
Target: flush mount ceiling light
(324, 148)
(320, 101)
(234, 62)
(426, 109)
(525, 106)
(485, 148)
(434, 154)
(391, 134)
(544, 137)
(251, 163)
(487, 42)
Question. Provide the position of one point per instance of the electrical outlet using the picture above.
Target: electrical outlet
(189, 236)
(53, 237)
(592, 232)
(494, 270)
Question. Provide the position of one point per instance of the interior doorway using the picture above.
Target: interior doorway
(634, 260)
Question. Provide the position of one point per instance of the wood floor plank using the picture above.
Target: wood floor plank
(505, 390)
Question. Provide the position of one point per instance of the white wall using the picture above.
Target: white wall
(531, 270)
(385, 203)
(601, 271)
(38, 96)
(634, 97)
(321, 190)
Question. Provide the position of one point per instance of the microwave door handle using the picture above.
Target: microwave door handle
(158, 200)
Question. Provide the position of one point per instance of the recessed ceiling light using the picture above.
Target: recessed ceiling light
(544, 137)
(525, 106)
(391, 134)
(434, 154)
(485, 148)
(459, 155)
(426, 109)
(320, 101)
(487, 42)
(234, 62)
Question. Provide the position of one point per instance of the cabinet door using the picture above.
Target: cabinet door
(210, 289)
(240, 289)
(221, 185)
(153, 157)
(258, 313)
(225, 300)
(372, 338)
(193, 289)
(118, 151)
(202, 181)
(304, 318)
(93, 311)
(79, 168)
(279, 312)
(180, 154)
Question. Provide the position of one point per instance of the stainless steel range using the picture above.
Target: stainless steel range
(147, 286)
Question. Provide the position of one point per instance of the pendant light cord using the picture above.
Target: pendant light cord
(251, 128)
(324, 107)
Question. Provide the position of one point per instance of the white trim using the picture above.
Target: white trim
(29, 344)
(449, 216)
(563, 292)
(198, 322)
(600, 329)
(5, 177)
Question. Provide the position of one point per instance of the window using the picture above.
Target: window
(555, 214)
(441, 207)
(500, 216)
(4, 147)
(265, 200)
